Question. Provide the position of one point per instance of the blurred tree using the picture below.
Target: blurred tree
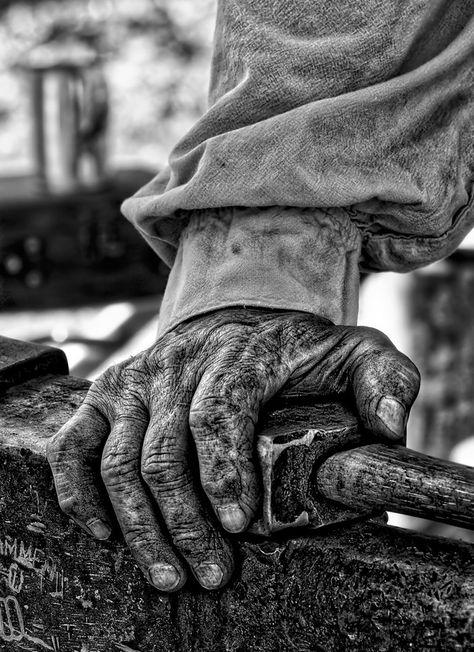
(157, 60)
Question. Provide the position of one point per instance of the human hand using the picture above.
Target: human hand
(172, 430)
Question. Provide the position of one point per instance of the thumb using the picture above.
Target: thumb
(384, 383)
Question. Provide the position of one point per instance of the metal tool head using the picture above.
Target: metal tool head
(293, 440)
(21, 361)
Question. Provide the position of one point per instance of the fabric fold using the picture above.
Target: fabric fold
(363, 105)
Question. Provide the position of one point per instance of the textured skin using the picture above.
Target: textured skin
(172, 430)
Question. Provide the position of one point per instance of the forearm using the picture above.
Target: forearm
(280, 258)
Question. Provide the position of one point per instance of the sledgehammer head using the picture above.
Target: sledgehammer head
(293, 441)
(22, 361)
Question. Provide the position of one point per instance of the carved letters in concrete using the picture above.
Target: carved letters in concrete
(22, 563)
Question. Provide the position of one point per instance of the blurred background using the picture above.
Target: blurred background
(95, 93)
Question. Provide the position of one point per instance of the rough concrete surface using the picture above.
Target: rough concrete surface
(363, 587)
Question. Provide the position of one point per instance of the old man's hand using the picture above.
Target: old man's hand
(170, 432)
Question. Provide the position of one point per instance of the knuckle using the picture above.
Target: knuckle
(409, 376)
(208, 415)
(177, 354)
(144, 543)
(364, 344)
(107, 383)
(113, 380)
(364, 340)
(53, 447)
(70, 505)
(410, 368)
(63, 444)
(139, 537)
(229, 484)
(191, 542)
(114, 470)
(160, 469)
(371, 336)
(187, 534)
(370, 333)
(125, 386)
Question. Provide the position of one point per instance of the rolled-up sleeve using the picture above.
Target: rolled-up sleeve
(363, 110)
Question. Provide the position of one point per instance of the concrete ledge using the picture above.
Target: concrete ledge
(363, 587)
(21, 361)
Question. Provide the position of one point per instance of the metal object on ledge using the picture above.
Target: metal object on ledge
(70, 114)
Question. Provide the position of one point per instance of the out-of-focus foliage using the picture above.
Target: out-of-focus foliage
(156, 54)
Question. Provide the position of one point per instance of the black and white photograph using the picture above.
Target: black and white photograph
(236, 325)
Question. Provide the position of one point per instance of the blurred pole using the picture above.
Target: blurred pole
(39, 151)
(70, 116)
(68, 122)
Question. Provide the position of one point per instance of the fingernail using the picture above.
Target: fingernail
(209, 575)
(232, 517)
(99, 529)
(164, 576)
(392, 413)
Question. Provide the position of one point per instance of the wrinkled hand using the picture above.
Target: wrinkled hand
(172, 430)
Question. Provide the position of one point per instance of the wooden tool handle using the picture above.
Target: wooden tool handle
(400, 480)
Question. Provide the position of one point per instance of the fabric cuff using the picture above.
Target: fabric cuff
(303, 259)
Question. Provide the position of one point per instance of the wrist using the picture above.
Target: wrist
(280, 258)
